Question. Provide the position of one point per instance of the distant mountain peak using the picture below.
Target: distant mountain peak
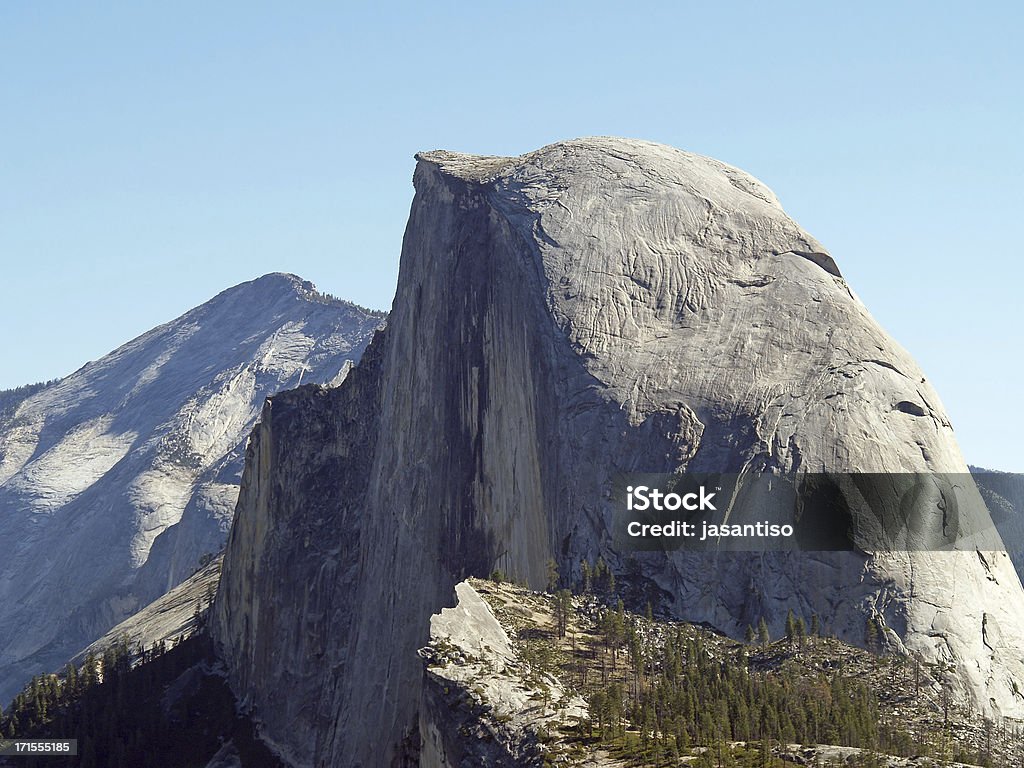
(117, 478)
(286, 283)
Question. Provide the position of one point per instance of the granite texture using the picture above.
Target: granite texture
(117, 479)
(598, 306)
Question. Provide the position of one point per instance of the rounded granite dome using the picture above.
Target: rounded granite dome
(606, 175)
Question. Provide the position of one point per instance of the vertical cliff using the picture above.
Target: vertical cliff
(599, 306)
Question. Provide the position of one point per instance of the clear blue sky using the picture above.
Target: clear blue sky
(152, 154)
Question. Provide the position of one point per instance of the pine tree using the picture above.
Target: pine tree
(790, 628)
(70, 680)
(563, 609)
(762, 634)
(88, 672)
(552, 568)
(871, 634)
(815, 626)
(750, 636)
(585, 577)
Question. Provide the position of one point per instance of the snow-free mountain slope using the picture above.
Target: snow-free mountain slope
(115, 480)
(596, 307)
(171, 616)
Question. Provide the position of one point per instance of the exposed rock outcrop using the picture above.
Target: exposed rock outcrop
(482, 704)
(598, 306)
(171, 616)
(117, 479)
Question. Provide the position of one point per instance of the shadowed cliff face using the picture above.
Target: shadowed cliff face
(599, 306)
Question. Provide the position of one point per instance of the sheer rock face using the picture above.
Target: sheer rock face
(117, 479)
(600, 305)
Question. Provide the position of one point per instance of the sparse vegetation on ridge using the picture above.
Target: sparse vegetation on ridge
(665, 693)
(10, 399)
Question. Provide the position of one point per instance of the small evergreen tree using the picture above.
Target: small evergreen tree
(552, 568)
(70, 680)
(763, 634)
(871, 634)
(563, 609)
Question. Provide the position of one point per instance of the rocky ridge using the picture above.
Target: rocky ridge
(492, 684)
(173, 616)
(482, 702)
